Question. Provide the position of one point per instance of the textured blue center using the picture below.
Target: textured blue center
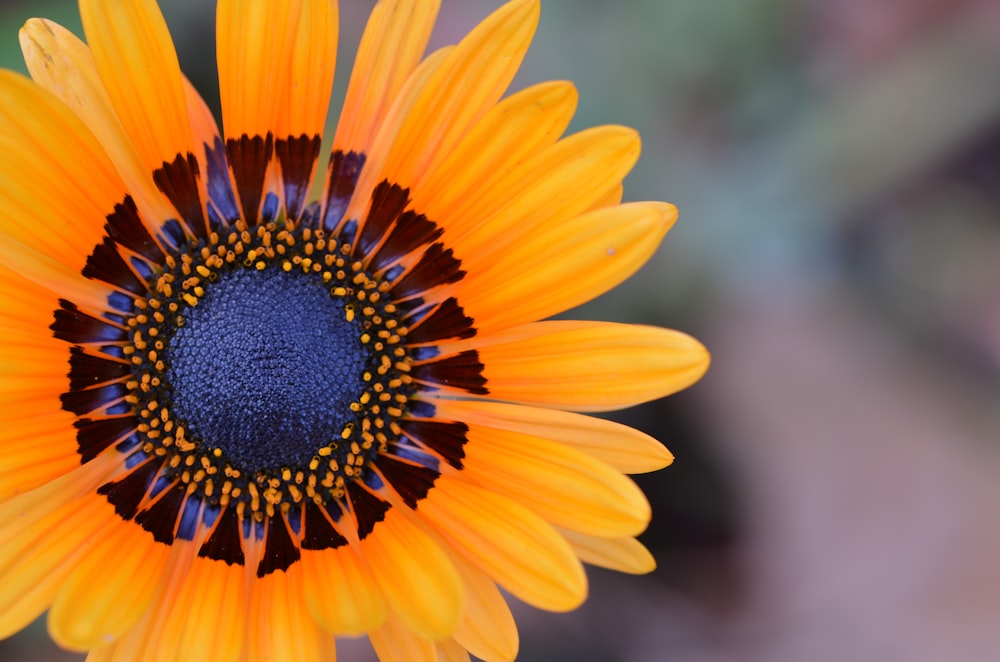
(265, 368)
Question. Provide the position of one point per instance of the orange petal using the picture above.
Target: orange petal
(621, 554)
(61, 63)
(468, 83)
(591, 366)
(279, 625)
(136, 60)
(284, 88)
(510, 132)
(626, 449)
(112, 585)
(396, 642)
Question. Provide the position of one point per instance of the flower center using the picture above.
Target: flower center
(268, 368)
(265, 368)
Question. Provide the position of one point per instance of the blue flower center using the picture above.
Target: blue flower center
(265, 368)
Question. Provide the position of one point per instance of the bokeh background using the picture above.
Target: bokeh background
(837, 168)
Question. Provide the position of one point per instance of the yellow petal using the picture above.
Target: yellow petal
(589, 366)
(626, 449)
(621, 554)
(508, 542)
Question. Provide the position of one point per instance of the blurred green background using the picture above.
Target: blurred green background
(837, 168)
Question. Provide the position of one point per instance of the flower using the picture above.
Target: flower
(296, 411)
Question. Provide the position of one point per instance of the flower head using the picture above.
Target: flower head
(312, 397)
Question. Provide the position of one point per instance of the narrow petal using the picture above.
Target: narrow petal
(62, 64)
(419, 582)
(283, 88)
(279, 624)
(589, 366)
(395, 642)
(626, 449)
(564, 265)
(509, 542)
(621, 554)
(112, 585)
(487, 629)
(559, 483)
(451, 651)
(146, 88)
(470, 81)
(391, 47)
(341, 592)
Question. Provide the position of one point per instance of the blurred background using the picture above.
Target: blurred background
(837, 168)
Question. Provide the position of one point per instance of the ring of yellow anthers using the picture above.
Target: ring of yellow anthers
(183, 283)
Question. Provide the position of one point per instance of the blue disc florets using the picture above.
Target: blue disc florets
(266, 367)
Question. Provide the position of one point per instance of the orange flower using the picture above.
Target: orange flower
(289, 418)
